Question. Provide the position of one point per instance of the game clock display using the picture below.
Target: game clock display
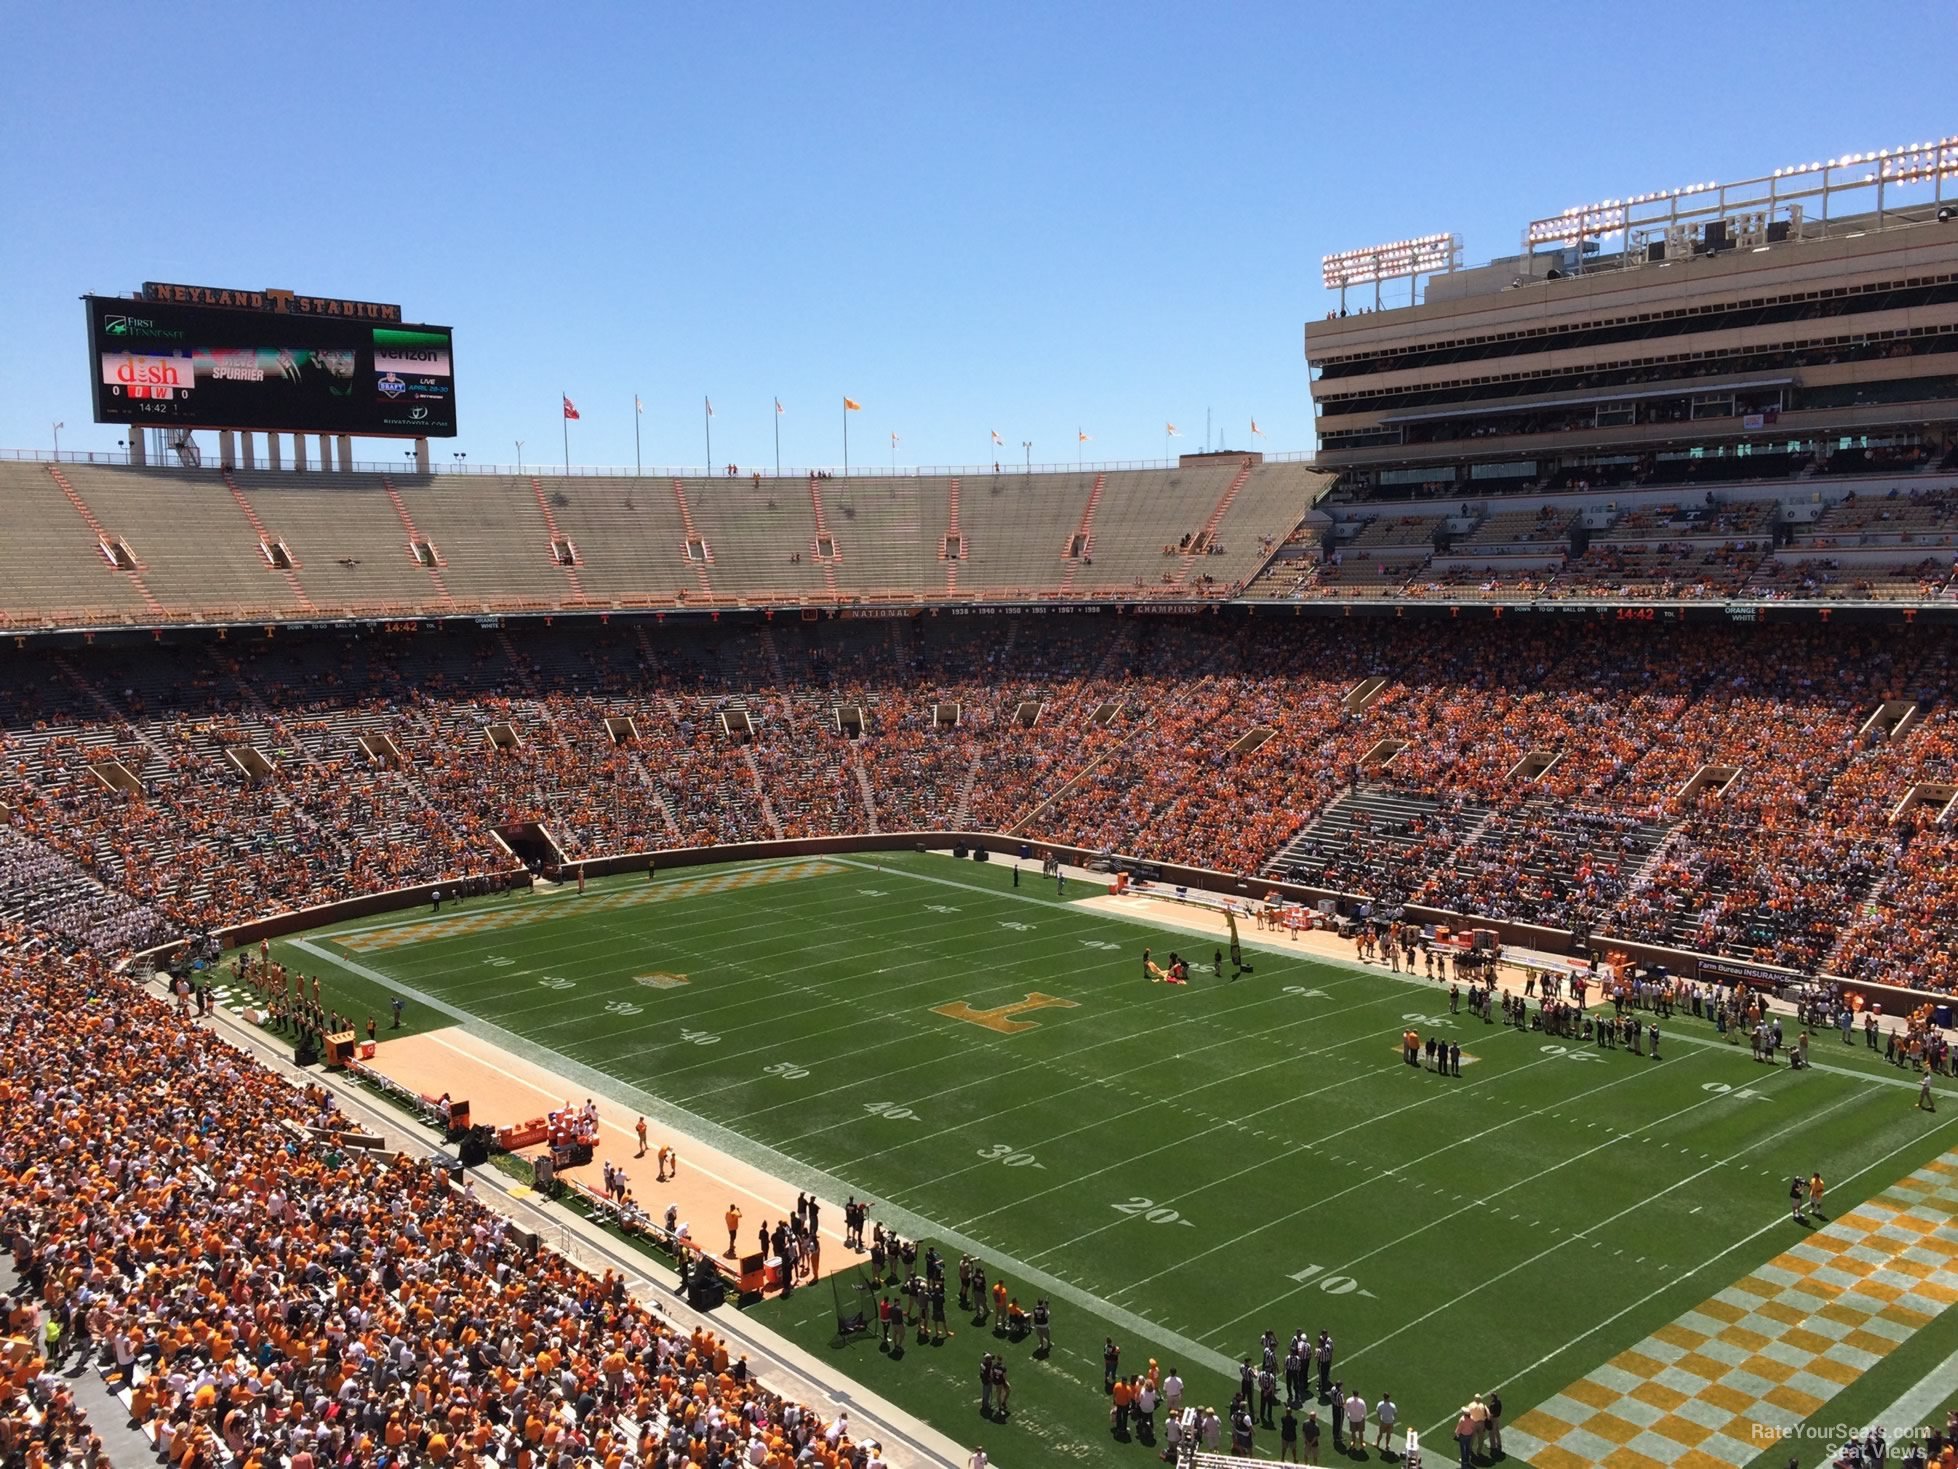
(208, 367)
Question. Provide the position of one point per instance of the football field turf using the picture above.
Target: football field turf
(1182, 1168)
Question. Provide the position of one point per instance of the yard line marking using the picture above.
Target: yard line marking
(1452, 1144)
(789, 1170)
(1287, 1059)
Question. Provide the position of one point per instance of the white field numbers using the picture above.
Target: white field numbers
(623, 1007)
(1429, 1022)
(1332, 1285)
(1738, 1093)
(1009, 1155)
(700, 1038)
(1570, 1053)
(891, 1111)
(1148, 1209)
(787, 1070)
(1300, 992)
(499, 961)
(557, 982)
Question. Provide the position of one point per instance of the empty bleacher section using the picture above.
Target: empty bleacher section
(260, 546)
(199, 545)
(55, 568)
(1018, 529)
(887, 531)
(492, 537)
(198, 550)
(350, 545)
(762, 537)
(626, 535)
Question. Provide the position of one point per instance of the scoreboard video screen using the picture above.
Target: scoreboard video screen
(161, 364)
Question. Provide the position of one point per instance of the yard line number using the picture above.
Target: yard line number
(1006, 1153)
(1149, 1210)
(1738, 1093)
(892, 1111)
(1570, 1053)
(1332, 1285)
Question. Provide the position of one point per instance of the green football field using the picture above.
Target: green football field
(1176, 1168)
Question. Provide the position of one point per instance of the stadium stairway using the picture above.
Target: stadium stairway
(1201, 543)
(1362, 816)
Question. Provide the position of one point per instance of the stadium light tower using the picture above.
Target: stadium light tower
(519, 456)
(1410, 258)
(1027, 444)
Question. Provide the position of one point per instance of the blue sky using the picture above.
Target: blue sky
(1024, 217)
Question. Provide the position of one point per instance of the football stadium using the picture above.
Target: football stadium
(1434, 946)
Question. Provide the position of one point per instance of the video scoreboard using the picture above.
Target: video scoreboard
(268, 360)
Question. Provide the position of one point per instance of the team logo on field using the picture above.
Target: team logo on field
(660, 981)
(1000, 1017)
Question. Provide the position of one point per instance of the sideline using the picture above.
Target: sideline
(1907, 1414)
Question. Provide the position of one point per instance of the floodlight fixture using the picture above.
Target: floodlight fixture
(1584, 222)
(1421, 255)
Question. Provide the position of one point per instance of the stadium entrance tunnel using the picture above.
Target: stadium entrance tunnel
(533, 846)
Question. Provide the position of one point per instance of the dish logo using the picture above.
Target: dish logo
(138, 376)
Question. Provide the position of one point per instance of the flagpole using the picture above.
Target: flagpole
(638, 470)
(778, 438)
(707, 424)
(567, 439)
(846, 441)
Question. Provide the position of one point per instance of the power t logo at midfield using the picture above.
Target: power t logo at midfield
(1000, 1017)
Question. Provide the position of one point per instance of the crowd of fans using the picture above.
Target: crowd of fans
(1769, 792)
(1724, 789)
(264, 1298)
